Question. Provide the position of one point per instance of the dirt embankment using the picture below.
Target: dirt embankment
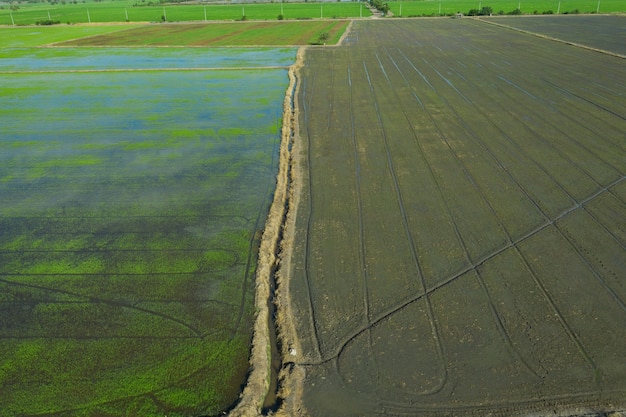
(274, 254)
(291, 375)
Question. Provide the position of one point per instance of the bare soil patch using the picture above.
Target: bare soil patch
(458, 238)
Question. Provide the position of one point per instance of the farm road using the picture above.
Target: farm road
(459, 245)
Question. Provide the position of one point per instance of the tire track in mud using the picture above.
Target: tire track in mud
(601, 187)
(98, 300)
(307, 243)
(546, 294)
(537, 164)
(445, 282)
(361, 236)
(546, 216)
(571, 121)
(492, 305)
(401, 205)
(474, 266)
(513, 241)
(577, 205)
(357, 184)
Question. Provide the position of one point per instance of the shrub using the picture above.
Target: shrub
(47, 22)
(485, 11)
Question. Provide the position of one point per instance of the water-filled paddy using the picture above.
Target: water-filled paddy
(57, 59)
(131, 209)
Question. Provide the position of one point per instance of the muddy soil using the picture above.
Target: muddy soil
(425, 277)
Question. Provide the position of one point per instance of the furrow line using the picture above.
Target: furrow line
(357, 183)
(550, 145)
(498, 319)
(533, 274)
(592, 269)
(431, 315)
(307, 250)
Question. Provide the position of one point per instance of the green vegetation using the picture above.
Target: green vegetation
(91, 11)
(131, 208)
(414, 8)
(142, 11)
(23, 37)
(221, 34)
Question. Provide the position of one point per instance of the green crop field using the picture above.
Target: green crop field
(134, 11)
(89, 11)
(459, 243)
(26, 37)
(221, 34)
(201, 34)
(448, 7)
(132, 206)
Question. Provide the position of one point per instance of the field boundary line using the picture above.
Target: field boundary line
(551, 38)
(258, 382)
(131, 26)
(345, 34)
(60, 45)
(55, 71)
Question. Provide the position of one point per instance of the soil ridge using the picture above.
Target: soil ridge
(272, 253)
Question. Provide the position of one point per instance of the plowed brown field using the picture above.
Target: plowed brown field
(460, 239)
